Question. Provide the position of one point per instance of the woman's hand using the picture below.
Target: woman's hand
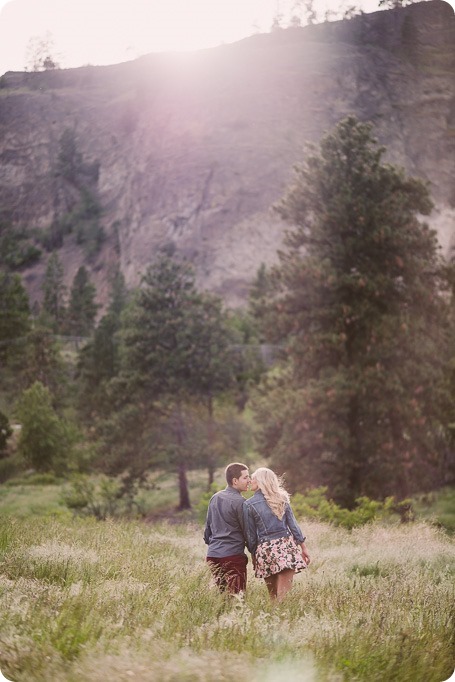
(306, 556)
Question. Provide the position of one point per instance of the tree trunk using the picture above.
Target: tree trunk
(211, 474)
(401, 478)
(184, 492)
(211, 454)
(183, 488)
(355, 468)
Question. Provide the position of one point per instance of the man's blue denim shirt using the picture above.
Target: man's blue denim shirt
(262, 524)
(224, 527)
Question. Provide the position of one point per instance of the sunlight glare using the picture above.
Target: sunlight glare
(107, 32)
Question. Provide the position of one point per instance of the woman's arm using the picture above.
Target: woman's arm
(306, 556)
(297, 533)
(294, 526)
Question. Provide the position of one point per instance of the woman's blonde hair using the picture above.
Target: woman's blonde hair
(272, 489)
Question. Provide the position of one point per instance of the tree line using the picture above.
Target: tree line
(360, 398)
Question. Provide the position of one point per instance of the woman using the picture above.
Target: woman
(274, 539)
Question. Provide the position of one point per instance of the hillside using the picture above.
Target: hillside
(195, 148)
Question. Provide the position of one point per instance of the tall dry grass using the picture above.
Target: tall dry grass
(82, 600)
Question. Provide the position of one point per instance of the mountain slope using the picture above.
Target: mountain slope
(194, 149)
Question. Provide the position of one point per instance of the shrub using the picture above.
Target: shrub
(16, 249)
(315, 505)
(100, 498)
(203, 503)
(9, 467)
(5, 433)
(35, 479)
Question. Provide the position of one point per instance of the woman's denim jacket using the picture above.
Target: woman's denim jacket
(262, 524)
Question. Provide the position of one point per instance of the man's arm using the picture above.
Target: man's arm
(208, 529)
(241, 518)
(249, 530)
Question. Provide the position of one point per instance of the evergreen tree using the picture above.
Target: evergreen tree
(213, 364)
(45, 440)
(82, 308)
(246, 351)
(98, 360)
(69, 161)
(14, 313)
(259, 294)
(158, 335)
(71, 165)
(54, 292)
(360, 299)
(174, 351)
(43, 362)
(119, 294)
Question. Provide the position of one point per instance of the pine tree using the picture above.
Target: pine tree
(360, 299)
(174, 351)
(82, 308)
(98, 360)
(14, 313)
(54, 292)
(45, 440)
(69, 161)
(43, 362)
(119, 293)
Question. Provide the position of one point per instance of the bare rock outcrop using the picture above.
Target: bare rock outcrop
(195, 149)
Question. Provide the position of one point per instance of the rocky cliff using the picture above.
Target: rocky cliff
(195, 148)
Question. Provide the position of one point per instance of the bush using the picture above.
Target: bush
(82, 221)
(34, 479)
(16, 249)
(100, 498)
(5, 433)
(315, 505)
(9, 467)
(203, 503)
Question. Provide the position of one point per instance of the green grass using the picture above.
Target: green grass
(87, 600)
(438, 507)
(29, 496)
(23, 501)
(24, 496)
(163, 495)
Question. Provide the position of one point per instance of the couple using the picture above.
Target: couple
(264, 523)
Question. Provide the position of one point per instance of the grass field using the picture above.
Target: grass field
(438, 507)
(27, 495)
(92, 601)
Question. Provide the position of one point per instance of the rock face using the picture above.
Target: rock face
(194, 149)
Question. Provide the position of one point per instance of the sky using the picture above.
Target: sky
(98, 32)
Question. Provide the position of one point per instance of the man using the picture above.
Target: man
(224, 531)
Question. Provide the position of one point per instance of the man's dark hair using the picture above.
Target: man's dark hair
(233, 471)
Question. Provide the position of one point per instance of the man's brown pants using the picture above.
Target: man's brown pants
(229, 572)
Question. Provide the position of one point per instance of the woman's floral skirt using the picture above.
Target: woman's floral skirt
(273, 556)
